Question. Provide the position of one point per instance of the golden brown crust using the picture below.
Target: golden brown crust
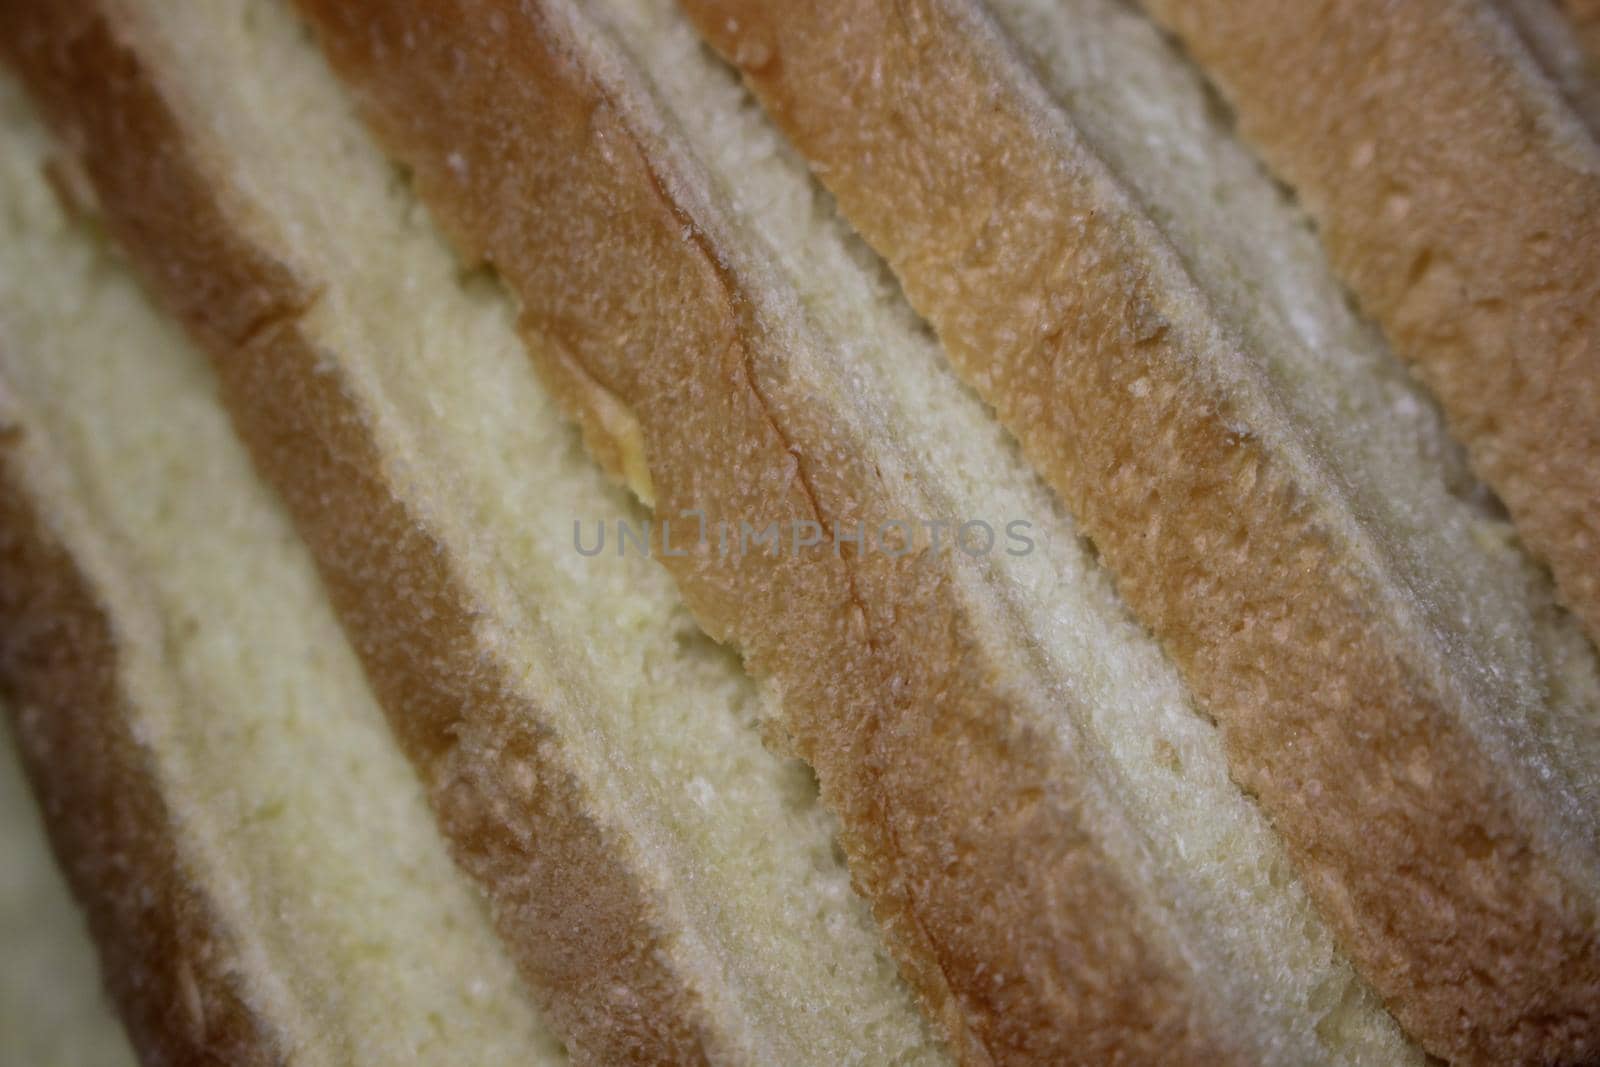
(168, 962)
(1052, 296)
(1585, 15)
(997, 897)
(576, 919)
(1462, 205)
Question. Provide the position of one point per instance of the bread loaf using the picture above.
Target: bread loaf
(769, 374)
(667, 886)
(1107, 267)
(1251, 680)
(1317, 1013)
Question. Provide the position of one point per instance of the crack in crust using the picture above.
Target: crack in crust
(1444, 885)
(575, 916)
(1007, 915)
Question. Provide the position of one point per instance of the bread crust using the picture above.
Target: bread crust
(978, 840)
(168, 961)
(1059, 301)
(564, 897)
(1462, 206)
(1585, 15)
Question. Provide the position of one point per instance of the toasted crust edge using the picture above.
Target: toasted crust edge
(576, 919)
(165, 956)
(1462, 206)
(1216, 545)
(1585, 15)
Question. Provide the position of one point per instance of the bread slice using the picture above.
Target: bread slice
(1044, 826)
(668, 885)
(253, 852)
(1107, 267)
(1462, 206)
(52, 1008)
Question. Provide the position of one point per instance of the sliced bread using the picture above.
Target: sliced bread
(1280, 505)
(253, 852)
(667, 885)
(1043, 823)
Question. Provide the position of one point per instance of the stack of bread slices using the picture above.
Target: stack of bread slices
(846, 532)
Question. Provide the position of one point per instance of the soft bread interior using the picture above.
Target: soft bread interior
(1224, 885)
(658, 723)
(298, 816)
(1338, 400)
(52, 1010)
